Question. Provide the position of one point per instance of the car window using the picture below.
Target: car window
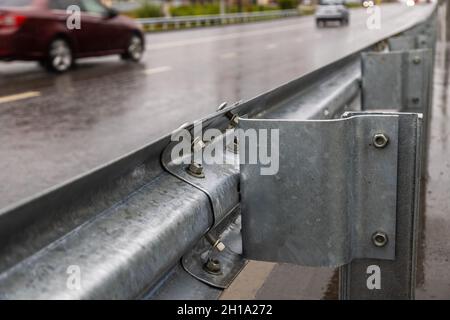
(94, 7)
(63, 4)
(15, 3)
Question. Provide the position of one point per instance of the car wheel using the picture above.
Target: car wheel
(135, 49)
(59, 57)
(319, 23)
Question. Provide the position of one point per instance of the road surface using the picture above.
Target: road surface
(53, 128)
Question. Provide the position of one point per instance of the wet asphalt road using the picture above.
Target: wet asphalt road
(72, 123)
(433, 276)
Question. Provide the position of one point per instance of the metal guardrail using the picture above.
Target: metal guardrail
(143, 227)
(189, 21)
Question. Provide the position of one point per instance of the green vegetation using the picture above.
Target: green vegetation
(214, 8)
(195, 10)
(352, 5)
(307, 9)
(146, 10)
(287, 4)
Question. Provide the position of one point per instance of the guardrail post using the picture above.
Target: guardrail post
(400, 81)
(384, 279)
(346, 192)
(397, 80)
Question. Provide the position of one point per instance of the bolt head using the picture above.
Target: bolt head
(198, 144)
(417, 60)
(380, 140)
(380, 239)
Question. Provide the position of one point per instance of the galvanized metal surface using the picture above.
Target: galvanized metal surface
(333, 191)
(59, 216)
(397, 80)
(229, 261)
(397, 277)
(218, 181)
(128, 223)
(401, 43)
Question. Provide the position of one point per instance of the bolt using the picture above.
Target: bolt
(417, 60)
(197, 144)
(212, 266)
(196, 170)
(234, 147)
(222, 106)
(415, 100)
(234, 119)
(379, 239)
(380, 140)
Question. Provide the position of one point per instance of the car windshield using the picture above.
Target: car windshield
(330, 2)
(15, 3)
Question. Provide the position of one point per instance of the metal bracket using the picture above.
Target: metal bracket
(383, 279)
(334, 197)
(397, 80)
(412, 42)
(218, 181)
(217, 268)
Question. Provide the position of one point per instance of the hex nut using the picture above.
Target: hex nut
(213, 266)
(380, 140)
(380, 239)
(196, 170)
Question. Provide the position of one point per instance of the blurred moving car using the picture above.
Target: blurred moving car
(38, 30)
(331, 10)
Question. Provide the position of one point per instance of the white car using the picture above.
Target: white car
(331, 10)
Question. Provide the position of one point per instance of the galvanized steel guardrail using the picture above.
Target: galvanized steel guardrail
(145, 226)
(192, 21)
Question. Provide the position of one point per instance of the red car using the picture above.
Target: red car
(55, 33)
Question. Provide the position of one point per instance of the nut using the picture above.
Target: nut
(213, 266)
(196, 170)
(380, 140)
(379, 239)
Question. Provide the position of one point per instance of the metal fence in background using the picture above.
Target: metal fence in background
(216, 19)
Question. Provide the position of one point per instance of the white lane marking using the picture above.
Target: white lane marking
(271, 46)
(157, 70)
(20, 96)
(228, 55)
(229, 36)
